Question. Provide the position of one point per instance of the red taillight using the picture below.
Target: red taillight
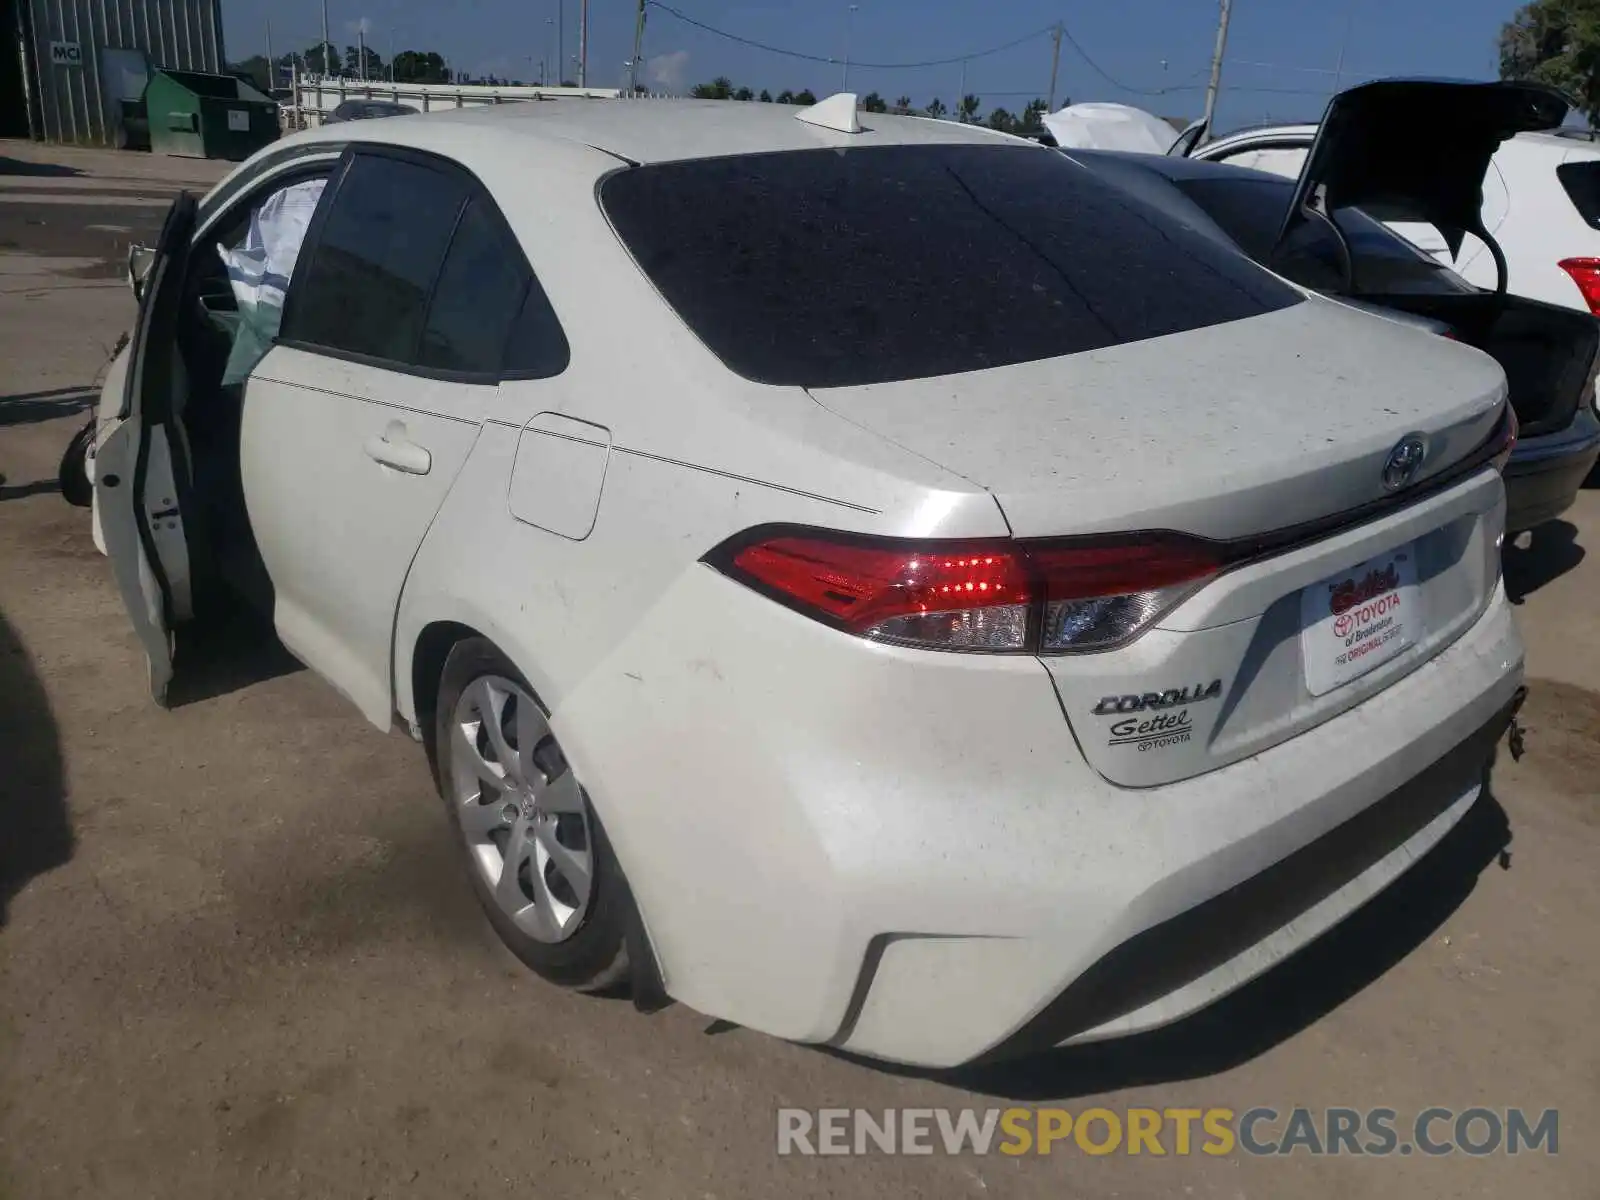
(1585, 273)
(987, 595)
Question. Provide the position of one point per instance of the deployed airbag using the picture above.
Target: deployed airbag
(259, 270)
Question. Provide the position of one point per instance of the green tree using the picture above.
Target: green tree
(765, 97)
(311, 60)
(1000, 119)
(1556, 42)
(374, 64)
(902, 104)
(257, 70)
(805, 97)
(936, 108)
(967, 113)
(420, 66)
(874, 103)
(1031, 122)
(786, 97)
(720, 88)
(743, 93)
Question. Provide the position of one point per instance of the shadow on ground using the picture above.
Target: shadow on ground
(16, 491)
(1554, 552)
(27, 408)
(35, 834)
(16, 166)
(1279, 1004)
(225, 653)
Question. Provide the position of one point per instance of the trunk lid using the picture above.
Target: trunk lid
(1417, 150)
(1233, 432)
(1225, 432)
(1279, 646)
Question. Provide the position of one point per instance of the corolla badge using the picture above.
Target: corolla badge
(1403, 463)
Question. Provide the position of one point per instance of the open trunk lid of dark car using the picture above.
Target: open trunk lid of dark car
(1417, 150)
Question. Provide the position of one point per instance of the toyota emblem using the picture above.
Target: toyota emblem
(1403, 463)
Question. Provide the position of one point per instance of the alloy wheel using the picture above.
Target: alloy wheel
(520, 809)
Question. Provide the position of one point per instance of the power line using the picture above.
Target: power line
(1188, 85)
(1281, 91)
(818, 58)
(1128, 87)
(1245, 62)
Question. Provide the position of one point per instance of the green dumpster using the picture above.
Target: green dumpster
(195, 115)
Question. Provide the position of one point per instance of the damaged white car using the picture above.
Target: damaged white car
(881, 586)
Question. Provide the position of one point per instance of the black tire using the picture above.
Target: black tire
(595, 956)
(74, 471)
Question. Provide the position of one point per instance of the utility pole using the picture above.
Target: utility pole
(583, 43)
(961, 94)
(1216, 61)
(361, 52)
(638, 49)
(849, 28)
(1055, 64)
(1338, 70)
(327, 46)
(561, 41)
(272, 63)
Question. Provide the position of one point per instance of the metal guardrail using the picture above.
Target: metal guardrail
(313, 96)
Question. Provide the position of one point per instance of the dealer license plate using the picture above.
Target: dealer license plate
(1359, 619)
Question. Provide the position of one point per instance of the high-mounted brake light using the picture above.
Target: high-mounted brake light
(996, 595)
(1585, 273)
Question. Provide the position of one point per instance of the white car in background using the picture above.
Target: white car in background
(882, 586)
(1541, 203)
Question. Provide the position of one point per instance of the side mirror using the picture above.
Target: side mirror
(140, 260)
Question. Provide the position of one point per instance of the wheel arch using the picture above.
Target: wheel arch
(419, 659)
(430, 650)
(428, 654)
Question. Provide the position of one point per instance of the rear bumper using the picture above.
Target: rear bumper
(1545, 473)
(1289, 844)
(906, 855)
(1175, 968)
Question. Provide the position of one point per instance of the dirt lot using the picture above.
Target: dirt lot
(237, 958)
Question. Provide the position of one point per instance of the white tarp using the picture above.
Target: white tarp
(259, 270)
(1110, 127)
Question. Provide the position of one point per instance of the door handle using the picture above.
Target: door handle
(394, 449)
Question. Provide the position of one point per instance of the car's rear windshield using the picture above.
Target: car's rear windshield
(830, 268)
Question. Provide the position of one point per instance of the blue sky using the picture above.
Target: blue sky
(1281, 58)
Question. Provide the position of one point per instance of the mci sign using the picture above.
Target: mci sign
(66, 54)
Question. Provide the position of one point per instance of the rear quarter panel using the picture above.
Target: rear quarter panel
(695, 455)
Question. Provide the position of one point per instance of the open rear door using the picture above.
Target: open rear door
(136, 478)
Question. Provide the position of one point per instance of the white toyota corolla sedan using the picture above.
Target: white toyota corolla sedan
(872, 582)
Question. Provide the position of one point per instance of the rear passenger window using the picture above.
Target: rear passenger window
(365, 288)
(487, 313)
(537, 348)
